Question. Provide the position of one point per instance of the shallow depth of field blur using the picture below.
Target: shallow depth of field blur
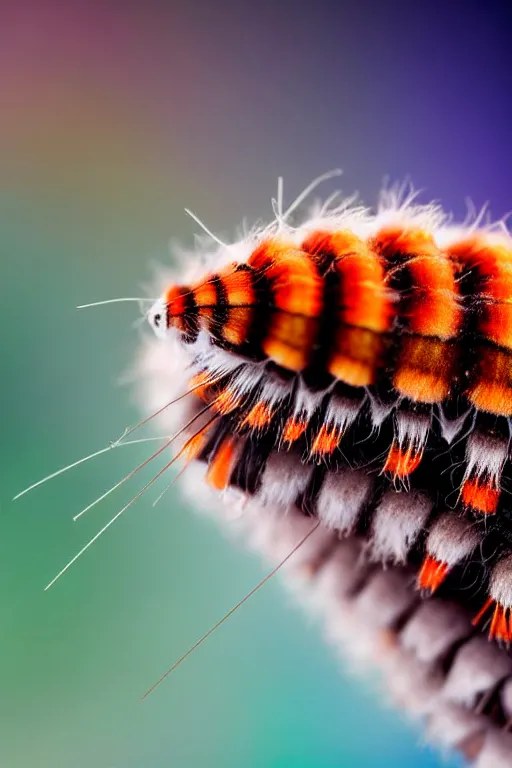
(113, 118)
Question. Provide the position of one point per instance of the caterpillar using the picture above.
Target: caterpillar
(345, 396)
(353, 371)
(372, 354)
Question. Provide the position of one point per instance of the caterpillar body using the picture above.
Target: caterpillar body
(369, 354)
(353, 373)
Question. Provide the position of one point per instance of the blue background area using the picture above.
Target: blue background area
(114, 117)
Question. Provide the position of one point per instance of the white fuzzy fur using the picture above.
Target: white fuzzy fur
(306, 402)
(284, 478)
(339, 574)
(450, 428)
(341, 498)
(412, 429)
(497, 750)
(501, 582)
(477, 668)
(506, 698)
(485, 456)
(384, 598)
(379, 410)
(341, 413)
(396, 524)
(434, 628)
(452, 724)
(413, 685)
(452, 538)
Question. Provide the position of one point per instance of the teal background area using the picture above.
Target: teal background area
(114, 117)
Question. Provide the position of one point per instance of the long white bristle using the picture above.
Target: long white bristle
(115, 301)
(117, 444)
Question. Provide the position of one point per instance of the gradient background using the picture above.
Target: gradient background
(113, 117)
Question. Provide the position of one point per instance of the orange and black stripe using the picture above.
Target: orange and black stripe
(392, 320)
(394, 313)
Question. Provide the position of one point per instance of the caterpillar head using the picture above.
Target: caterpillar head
(157, 318)
(175, 309)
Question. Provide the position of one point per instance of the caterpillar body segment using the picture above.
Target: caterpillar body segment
(366, 361)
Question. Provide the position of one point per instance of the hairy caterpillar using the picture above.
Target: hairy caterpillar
(369, 352)
(348, 380)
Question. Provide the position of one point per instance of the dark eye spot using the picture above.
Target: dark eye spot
(157, 319)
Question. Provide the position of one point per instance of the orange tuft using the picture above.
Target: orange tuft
(293, 429)
(227, 401)
(432, 574)
(194, 445)
(480, 496)
(352, 372)
(221, 465)
(501, 622)
(501, 629)
(259, 416)
(434, 309)
(200, 384)
(402, 463)
(327, 440)
(496, 323)
(491, 390)
(481, 613)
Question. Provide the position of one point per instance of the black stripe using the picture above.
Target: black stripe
(261, 315)
(250, 466)
(367, 511)
(307, 500)
(261, 318)
(364, 446)
(400, 281)
(470, 284)
(190, 317)
(220, 311)
(316, 376)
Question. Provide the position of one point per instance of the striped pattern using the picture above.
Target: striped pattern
(393, 318)
(394, 310)
(356, 371)
(343, 477)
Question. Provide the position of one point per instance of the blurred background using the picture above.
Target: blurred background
(113, 118)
